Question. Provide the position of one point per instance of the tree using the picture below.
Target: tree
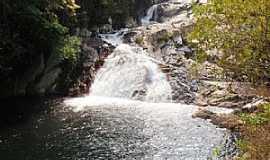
(30, 29)
(240, 30)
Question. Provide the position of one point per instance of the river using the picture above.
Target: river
(128, 115)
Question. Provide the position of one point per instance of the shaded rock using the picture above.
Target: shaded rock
(31, 75)
(129, 37)
(84, 32)
(106, 28)
(47, 81)
(94, 52)
(35, 79)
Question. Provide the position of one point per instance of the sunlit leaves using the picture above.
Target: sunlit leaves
(70, 48)
(241, 30)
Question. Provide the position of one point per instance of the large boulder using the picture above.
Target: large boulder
(169, 10)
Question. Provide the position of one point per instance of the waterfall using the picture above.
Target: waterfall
(128, 73)
(130, 102)
(151, 15)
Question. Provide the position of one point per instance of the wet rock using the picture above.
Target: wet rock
(229, 121)
(160, 38)
(94, 51)
(194, 87)
(84, 32)
(229, 149)
(129, 37)
(178, 40)
(204, 114)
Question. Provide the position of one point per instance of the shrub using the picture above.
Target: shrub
(240, 31)
(139, 40)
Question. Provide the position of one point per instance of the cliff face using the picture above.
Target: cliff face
(54, 75)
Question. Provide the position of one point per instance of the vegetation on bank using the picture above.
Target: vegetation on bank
(32, 27)
(239, 32)
(255, 135)
(34, 36)
(235, 35)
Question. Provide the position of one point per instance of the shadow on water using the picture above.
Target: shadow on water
(22, 131)
(44, 129)
(18, 110)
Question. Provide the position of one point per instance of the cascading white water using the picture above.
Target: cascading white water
(118, 111)
(151, 15)
(116, 38)
(129, 73)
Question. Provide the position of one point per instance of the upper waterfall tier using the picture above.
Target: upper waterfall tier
(150, 16)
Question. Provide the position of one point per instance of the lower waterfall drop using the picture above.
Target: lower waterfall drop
(128, 73)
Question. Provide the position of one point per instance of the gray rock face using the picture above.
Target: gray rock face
(47, 82)
(93, 53)
(183, 88)
(31, 75)
(36, 79)
(168, 10)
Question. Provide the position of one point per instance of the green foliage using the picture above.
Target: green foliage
(242, 144)
(165, 37)
(259, 118)
(240, 30)
(217, 151)
(139, 40)
(34, 33)
(30, 28)
(70, 48)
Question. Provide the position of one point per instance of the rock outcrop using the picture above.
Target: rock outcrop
(38, 79)
(165, 41)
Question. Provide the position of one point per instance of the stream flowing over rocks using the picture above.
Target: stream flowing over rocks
(129, 73)
(146, 78)
(139, 106)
